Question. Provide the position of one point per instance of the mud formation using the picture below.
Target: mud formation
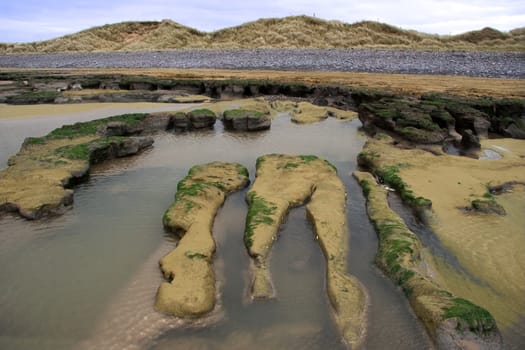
(39, 177)
(190, 287)
(453, 322)
(444, 120)
(299, 179)
(246, 120)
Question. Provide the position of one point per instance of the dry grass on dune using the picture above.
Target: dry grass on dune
(288, 32)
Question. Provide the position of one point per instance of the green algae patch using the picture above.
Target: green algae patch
(241, 113)
(34, 97)
(189, 290)
(389, 174)
(91, 127)
(475, 318)
(246, 120)
(259, 212)
(202, 112)
(285, 181)
(450, 320)
(486, 206)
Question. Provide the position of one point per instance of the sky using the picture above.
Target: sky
(33, 20)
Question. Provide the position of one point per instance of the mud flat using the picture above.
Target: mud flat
(190, 290)
(474, 213)
(281, 183)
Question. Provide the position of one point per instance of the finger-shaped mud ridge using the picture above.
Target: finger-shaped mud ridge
(281, 183)
(190, 287)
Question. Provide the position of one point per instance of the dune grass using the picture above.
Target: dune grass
(288, 32)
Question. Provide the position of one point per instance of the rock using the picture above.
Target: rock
(487, 206)
(180, 120)
(469, 118)
(159, 121)
(75, 87)
(166, 98)
(103, 150)
(61, 99)
(412, 120)
(142, 86)
(117, 128)
(469, 141)
(246, 120)
(201, 118)
(515, 131)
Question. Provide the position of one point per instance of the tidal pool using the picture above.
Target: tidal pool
(87, 279)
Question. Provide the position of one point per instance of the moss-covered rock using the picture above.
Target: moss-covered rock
(36, 97)
(201, 118)
(487, 206)
(411, 120)
(436, 118)
(190, 287)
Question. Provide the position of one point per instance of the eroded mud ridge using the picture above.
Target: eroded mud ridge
(190, 290)
(39, 178)
(299, 179)
(454, 323)
(458, 197)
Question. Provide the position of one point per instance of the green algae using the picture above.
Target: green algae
(259, 212)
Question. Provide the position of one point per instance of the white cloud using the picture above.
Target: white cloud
(44, 19)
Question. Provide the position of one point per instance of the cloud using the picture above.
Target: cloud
(44, 19)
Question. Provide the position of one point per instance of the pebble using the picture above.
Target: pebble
(461, 63)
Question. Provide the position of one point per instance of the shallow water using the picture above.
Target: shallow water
(87, 279)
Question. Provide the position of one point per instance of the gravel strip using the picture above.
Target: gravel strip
(476, 64)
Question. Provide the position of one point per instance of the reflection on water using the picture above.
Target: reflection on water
(87, 279)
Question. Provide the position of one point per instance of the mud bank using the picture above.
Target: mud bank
(40, 176)
(453, 322)
(458, 189)
(270, 200)
(190, 290)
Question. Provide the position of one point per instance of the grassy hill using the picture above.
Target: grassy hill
(288, 32)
